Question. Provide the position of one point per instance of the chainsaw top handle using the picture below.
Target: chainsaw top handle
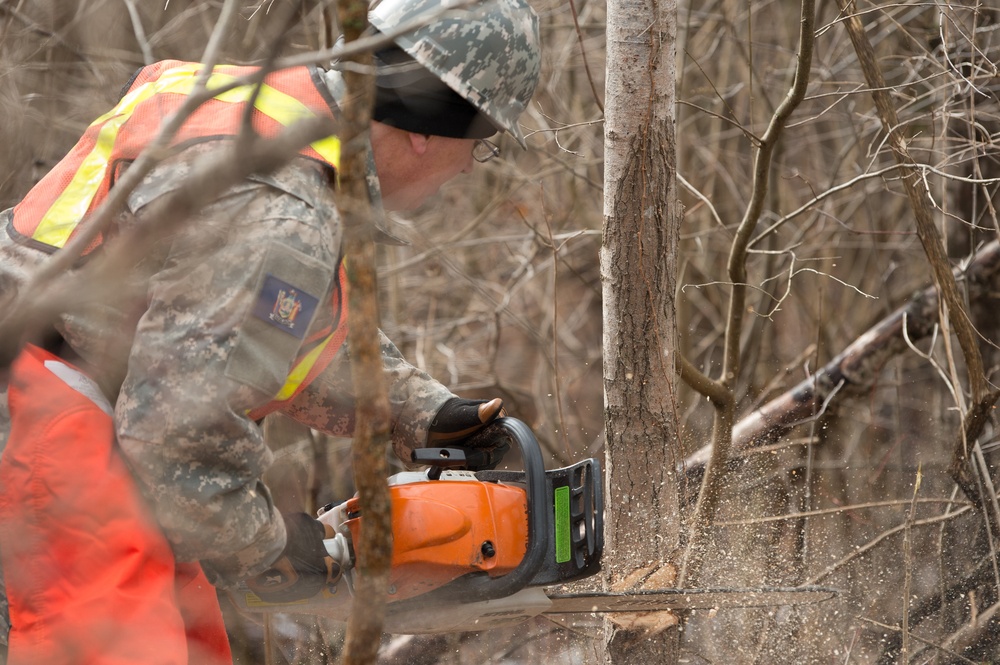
(482, 587)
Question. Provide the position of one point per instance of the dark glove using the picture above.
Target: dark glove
(303, 568)
(459, 421)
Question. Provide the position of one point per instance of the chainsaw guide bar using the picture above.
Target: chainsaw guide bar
(685, 599)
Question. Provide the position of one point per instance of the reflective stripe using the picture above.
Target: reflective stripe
(301, 371)
(81, 383)
(308, 366)
(65, 213)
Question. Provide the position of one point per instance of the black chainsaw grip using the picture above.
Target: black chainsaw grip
(481, 587)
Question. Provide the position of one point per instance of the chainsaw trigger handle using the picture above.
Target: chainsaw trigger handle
(339, 549)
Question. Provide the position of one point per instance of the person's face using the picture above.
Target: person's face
(412, 167)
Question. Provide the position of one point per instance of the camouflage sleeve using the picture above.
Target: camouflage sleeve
(414, 397)
(205, 353)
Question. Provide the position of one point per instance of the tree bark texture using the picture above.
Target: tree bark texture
(371, 430)
(638, 267)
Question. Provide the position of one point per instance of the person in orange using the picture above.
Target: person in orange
(130, 481)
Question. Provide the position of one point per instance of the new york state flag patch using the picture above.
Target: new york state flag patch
(284, 306)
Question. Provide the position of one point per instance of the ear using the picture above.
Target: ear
(418, 142)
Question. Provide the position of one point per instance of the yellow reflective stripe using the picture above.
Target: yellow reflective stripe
(301, 370)
(72, 204)
(61, 218)
(283, 109)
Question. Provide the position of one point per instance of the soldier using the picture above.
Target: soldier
(152, 402)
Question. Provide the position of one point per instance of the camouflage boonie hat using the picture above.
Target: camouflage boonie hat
(488, 52)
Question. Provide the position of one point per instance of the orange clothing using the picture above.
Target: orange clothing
(55, 209)
(90, 578)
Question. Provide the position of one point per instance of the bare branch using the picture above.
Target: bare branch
(373, 417)
(140, 32)
(858, 366)
(951, 300)
(904, 632)
(862, 550)
(722, 434)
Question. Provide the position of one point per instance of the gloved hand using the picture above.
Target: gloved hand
(303, 568)
(457, 423)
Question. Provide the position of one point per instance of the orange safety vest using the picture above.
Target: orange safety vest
(89, 575)
(57, 207)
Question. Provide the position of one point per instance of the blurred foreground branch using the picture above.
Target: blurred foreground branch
(33, 311)
(372, 422)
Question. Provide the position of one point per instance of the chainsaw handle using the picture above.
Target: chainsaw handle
(479, 588)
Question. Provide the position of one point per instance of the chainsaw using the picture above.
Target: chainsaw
(487, 549)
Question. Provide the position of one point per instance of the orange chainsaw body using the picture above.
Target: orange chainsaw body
(444, 530)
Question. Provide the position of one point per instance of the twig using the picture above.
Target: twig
(221, 30)
(28, 21)
(818, 198)
(874, 542)
(919, 639)
(841, 509)
(701, 197)
(991, 511)
(984, 629)
(951, 303)
(583, 55)
(563, 428)
(934, 603)
(908, 564)
(140, 33)
(343, 54)
(858, 365)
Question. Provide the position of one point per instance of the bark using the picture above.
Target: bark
(371, 430)
(638, 265)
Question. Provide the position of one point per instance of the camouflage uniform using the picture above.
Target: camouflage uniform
(198, 358)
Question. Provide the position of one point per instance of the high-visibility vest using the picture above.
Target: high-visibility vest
(57, 207)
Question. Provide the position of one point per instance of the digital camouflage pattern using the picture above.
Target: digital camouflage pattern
(188, 336)
(199, 358)
(487, 52)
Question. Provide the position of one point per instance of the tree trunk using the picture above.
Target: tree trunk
(638, 266)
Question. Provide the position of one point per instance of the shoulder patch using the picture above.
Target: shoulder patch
(284, 306)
